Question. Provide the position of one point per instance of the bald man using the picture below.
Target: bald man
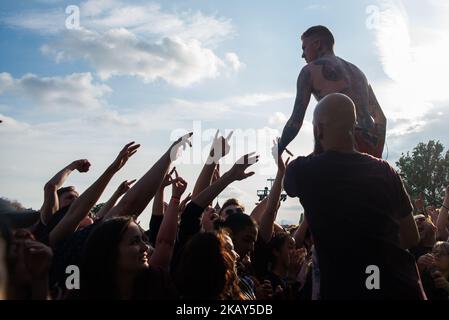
(358, 212)
(326, 73)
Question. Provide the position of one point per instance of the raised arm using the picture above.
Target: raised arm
(236, 173)
(220, 148)
(442, 231)
(303, 93)
(158, 201)
(300, 233)
(190, 223)
(266, 225)
(258, 210)
(166, 237)
(121, 190)
(140, 195)
(81, 206)
(51, 202)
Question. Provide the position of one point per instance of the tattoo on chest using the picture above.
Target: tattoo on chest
(330, 71)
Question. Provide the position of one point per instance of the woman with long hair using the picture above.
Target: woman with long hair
(116, 264)
(207, 268)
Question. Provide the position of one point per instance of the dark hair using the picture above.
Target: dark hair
(63, 190)
(321, 32)
(444, 245)
(99, 266)
(206, 269)
(232, 202)
(276, 243)
(238, 222)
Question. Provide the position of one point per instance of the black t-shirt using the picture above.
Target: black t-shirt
(352, 204)
(69, 252)
(42, 231)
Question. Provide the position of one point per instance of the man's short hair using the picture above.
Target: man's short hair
(321, 32)
(61, 191)
(232, 202)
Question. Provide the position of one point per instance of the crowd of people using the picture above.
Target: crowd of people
(357, 214)
(361, 237)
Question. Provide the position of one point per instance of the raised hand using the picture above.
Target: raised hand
(426, 261)
(278, 157)
(419, 203)
(168, 178)
(81, 165)
(175, 148)
(433, 214)
(125, 186)
(179, 186)
(237, 171)
(129, 150)
(220, 147)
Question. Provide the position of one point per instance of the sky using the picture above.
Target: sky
(149, 71)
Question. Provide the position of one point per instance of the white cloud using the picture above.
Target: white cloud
(11, 125)
(6, 81)
(317, 6)
(256, 99)
(72, 92)
(120, 52)
(277, 119)
(413, 56)
(233, 60)
(118, 38)
(48, 21)
(149, 19)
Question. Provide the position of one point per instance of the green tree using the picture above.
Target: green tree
(426, 170)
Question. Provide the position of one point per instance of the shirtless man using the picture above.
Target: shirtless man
(326, 73)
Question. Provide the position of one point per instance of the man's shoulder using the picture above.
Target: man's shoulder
(303, 163)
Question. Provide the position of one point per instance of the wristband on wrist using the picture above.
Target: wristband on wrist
(175, 198)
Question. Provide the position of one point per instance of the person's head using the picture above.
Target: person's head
(243, 231)
(230, 207)
(115, 247)
(426, 229)
(334, 121)
(282, 245)
(66, 196)
(207, 268)
(316, 41)
(440, 252)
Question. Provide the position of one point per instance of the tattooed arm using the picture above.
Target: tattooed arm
(304, 90)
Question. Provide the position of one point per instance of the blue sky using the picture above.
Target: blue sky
(139, 70)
